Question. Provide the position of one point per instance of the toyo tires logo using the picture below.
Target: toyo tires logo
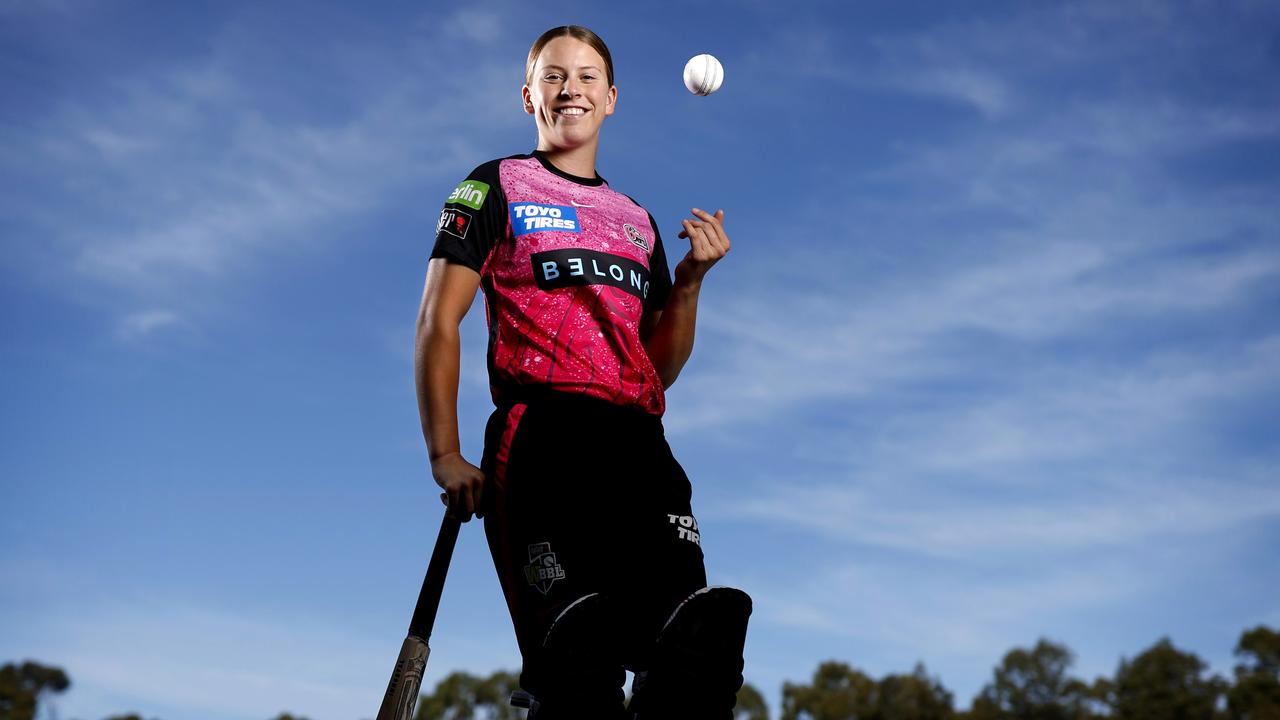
(527, 217)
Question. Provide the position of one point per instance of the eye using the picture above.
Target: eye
(551, 77)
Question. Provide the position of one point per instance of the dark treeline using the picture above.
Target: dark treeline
(1160, 683)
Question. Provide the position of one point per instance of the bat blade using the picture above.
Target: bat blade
(406, 678)
(406, 681)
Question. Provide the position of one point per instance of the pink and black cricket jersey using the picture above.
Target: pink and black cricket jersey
(568, 266)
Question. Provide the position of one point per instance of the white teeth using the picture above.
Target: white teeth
(570, 111)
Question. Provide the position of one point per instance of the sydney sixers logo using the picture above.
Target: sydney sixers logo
(633, 234)
(542, 570)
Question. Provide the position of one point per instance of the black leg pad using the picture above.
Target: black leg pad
(578, 672)
(697, 663)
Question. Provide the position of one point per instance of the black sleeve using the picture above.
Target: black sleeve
(474, 218)
(659, 272)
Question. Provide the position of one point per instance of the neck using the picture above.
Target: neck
(579, 161)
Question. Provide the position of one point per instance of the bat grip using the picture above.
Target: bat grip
(433, 584)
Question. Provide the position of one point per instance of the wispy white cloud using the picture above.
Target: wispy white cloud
(981, 89)
(930, 521)
(163, 656)
(884, 618)
(1063, 223)
(1001, 391)
(272, 184)
(999, 357)
(177, 177)
(932, 609)
(481, 25)
(218, 662)
(136, 326)
(823, 343)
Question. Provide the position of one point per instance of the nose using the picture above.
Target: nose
(569, 88)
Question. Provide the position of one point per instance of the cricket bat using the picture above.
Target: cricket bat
(406, 678)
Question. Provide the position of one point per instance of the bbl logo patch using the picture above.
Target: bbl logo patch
(454, 222)
(542, 570)
(633, 234)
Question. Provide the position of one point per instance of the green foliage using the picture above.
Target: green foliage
(1256, 693)
(913, 697)
(462, 696)
(22, 685)
(1164, 683)
(1260, 650)
(750, 705)
(1034, 685)
(840, 692)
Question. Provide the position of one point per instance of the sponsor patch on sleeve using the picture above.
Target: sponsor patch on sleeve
(455, 222)
(470, 193)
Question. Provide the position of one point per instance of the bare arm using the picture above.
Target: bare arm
(668, 334)
(446, 297)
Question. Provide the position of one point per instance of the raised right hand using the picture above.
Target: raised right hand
(463, 485)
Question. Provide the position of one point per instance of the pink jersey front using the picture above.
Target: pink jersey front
(569, 266)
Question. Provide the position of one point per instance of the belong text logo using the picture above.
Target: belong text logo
(556, 269)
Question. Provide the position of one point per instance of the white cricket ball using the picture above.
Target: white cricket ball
(703, 74)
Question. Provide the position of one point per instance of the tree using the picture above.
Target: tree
(838, 692)
(22, 685)
(913, 697)
(751, 705)
(1256, 694)
(1033, 685)
(462, 696)
(1164, 683)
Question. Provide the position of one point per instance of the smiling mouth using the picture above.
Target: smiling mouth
(571, 111)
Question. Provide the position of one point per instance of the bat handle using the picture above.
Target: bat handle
(406, 679)
(433, 584)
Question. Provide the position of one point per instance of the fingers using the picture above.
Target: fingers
(698, 241)
(458, 502)
(713, 225)
(466, 498)
(708, 241)
(463, 485)
(477, 496)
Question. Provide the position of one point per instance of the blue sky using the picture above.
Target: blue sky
(996, 355)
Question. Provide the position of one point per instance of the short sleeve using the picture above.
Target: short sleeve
(659, 272)
(474, 218)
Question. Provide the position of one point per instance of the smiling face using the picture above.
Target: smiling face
(569, 95)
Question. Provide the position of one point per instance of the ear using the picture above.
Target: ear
(611, 101)
(527, 96)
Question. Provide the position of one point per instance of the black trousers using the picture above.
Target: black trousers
(585, 497)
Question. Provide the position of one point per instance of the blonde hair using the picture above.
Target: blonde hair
(573, 31)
